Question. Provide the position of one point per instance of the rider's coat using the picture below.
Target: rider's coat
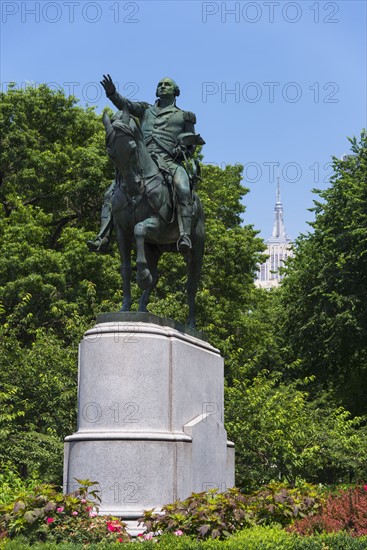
(160, 127)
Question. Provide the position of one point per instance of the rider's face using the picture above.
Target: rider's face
(165, 88)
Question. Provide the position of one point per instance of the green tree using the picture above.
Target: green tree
(323, 299)
(281, 434)
(52, 155)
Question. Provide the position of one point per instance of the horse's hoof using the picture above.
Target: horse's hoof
(144, 279)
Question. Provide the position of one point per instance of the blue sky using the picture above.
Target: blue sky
(276, 86)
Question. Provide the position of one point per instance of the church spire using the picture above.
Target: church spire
(278, 226)
(278, 249)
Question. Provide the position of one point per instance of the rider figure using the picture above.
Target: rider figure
(166, 129)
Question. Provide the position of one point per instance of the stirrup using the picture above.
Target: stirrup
(99, 244)
(184, 243)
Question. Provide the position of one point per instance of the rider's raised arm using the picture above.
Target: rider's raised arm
(135, 108)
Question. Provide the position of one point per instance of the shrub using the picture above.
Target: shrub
(275, 538)
(331, 541)
(203, 515)
(21, 543)
(47, 515)
(261, 538)
(253, 538)
(344, 511)
(11, 485)
(218, 515)
(279, 503)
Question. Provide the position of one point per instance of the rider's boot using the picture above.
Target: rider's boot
(102, 241)
(184, 241)
(99, 244)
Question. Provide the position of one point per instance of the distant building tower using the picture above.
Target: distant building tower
(279, 249)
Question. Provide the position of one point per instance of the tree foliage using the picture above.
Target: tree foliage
(281, 434)
(323, 299)
(52, 155)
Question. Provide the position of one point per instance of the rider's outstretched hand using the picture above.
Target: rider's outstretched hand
(108, 85)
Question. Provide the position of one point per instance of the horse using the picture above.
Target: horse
(144, 211)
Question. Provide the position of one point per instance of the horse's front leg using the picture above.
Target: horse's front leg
(152, 254)
(125, 246)
(142, 231)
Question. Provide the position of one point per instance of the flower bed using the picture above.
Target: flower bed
(275, 516)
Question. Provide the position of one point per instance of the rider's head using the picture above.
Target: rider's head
(167, 86)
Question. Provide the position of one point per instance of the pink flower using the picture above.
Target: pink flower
(92, 514)
(75, 513)
(178, 533)
(50, 520)
(148, 536)
(83, 501)
(365, 487)
(60, 509)
(113, 526)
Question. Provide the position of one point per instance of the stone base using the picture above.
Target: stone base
(150, 417)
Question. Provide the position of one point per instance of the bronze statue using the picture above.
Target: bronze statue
(164, 126)
(152, 199)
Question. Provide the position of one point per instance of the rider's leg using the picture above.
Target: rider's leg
(101, 241)
(185, 205)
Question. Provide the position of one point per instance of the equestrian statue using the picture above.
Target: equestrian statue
(152, 202)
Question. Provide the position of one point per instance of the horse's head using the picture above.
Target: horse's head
(126, 147)
(122, 149)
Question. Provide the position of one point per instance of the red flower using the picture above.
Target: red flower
(365, 487)
(113, 526)
(50, 520)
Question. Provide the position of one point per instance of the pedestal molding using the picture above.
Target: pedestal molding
(124, 436)
(135, 328)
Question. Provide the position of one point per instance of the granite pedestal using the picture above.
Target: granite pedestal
(150, 415)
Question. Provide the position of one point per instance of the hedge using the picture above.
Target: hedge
(255, 538)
